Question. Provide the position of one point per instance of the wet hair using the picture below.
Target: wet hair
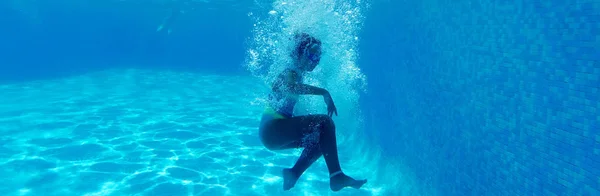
(303, 40)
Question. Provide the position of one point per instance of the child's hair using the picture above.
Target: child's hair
(302, 41)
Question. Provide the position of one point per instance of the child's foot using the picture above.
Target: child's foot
(339, 181)
(289, 179)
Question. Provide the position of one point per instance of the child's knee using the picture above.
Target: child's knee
(327, 123)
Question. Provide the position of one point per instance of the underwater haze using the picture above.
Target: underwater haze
(165, 97)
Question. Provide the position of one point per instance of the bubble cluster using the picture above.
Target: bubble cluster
(337, 24)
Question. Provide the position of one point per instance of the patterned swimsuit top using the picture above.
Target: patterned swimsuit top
(281, 101)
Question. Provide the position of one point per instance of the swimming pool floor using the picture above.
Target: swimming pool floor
(144, 132)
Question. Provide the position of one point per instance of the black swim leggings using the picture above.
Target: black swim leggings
(314, 133)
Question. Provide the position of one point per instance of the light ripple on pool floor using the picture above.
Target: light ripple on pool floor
(141, 132)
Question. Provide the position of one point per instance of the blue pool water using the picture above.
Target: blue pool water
(435, 97)
(153, 132)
